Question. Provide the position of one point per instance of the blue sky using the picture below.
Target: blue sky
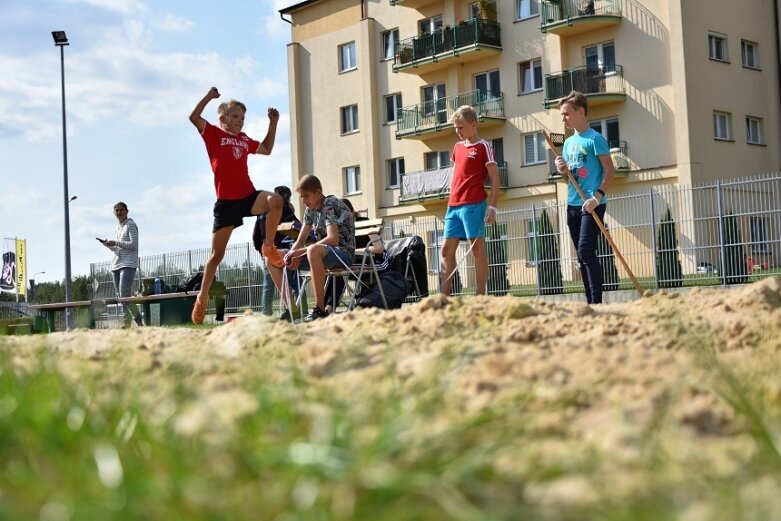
(134, 70)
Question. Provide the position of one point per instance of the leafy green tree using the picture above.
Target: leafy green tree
(668, 262)
(735, 267)
(548, 259)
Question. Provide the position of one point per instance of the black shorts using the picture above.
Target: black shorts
(231, 212)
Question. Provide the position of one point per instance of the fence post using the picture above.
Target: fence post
(722, 251)
(536, 243)
(653, 237)
(439, 259)
(189, 262)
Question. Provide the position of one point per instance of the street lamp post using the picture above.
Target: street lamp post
(60, 40)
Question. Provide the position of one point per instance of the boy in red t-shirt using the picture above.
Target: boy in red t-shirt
(467, 211)
(229, 148)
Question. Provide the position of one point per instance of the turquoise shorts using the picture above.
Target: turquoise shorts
(466, 221)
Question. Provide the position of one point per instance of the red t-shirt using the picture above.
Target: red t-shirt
(467, 185)
(228, 155)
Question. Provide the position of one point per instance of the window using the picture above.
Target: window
(437, 160)
(717, 47)
(390, 39)
(347, 60)
(533, 149)
(395, 169)
(759, 242)
(392, 108)
(352, 180)
(602, 56)
(429, 25)
(531, 76)
(349, 119)
(721, 126)
(498, 147)
(753, 130)
(749, 54)
(526, 8)
(434, 102)
(609, 130)
(488, 85)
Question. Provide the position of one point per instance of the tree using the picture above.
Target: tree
(668, 263)
(735, 266)
(548, 259)
(607, 258)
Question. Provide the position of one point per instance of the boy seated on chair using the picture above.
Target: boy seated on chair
(334, 227)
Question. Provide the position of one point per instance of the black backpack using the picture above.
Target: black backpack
(191, 283)
(395, 287)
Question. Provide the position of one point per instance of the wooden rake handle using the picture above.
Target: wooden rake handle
(599, 222)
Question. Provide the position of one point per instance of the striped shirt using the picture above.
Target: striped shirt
(126, 250)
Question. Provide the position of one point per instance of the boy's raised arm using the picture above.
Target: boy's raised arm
(267, 144)
(195, 116)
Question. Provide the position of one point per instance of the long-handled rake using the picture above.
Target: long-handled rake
(607, 235)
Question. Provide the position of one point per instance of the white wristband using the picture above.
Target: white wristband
(493, 208)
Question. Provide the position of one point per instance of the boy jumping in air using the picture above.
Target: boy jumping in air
(229, 148)
(467, 210)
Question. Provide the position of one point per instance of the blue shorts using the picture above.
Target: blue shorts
(465, 222)
(335, 258)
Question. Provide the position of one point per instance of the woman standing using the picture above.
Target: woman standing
(125, 262)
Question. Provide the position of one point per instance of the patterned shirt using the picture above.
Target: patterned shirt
(333, 211)
(126, 250)
(228, 154)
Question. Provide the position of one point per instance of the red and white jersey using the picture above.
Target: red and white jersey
(467, 185)
(228, 154)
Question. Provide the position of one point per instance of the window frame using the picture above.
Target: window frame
(394, 34)
(439, 155)
(744, 44)
(351, 174)
(519, 3)
(749, 131)
(539, 148)
(721, 39)
(433, 23)
(491, 91)
(397, 104)
(398, 163)
(353, 113)
(601, 62)
(716, 127)
(353, 55)
(532, 69)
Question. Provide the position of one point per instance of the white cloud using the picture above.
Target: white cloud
(119, 6)
(173, 23)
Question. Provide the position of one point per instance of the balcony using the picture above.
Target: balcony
(412, 3)
(417, 187)
(430, 117)
(568, 17)
(600, 86)
(618, 154)
(460, 44)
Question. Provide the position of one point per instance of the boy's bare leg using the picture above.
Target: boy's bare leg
(285, 296)
(481, 264)
(316, 254)
(270, 203)
(220, 240)
(448, 259)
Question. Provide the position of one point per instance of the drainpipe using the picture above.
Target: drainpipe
(281, 15)
(363, 9)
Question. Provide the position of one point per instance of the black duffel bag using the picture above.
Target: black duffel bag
(395, 287)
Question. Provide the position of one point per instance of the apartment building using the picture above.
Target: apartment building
(685, 91)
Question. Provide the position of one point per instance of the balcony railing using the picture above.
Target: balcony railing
(599, 85)
(618, 153)
(433, 116)
(435, 184)
(470, 35)
(575, 16)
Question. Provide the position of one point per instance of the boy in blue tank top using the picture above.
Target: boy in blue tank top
(587, 155)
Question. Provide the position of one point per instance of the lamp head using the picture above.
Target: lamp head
(59, 38)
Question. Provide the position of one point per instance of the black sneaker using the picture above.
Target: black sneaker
(315, 314)
(285, 316)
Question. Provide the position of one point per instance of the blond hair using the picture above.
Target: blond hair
(225, 107)
(465, 112)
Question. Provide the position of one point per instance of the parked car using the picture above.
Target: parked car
(707, 267)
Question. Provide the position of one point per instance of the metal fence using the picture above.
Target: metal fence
(716, 233)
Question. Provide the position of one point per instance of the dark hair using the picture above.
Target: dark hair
(309, 183)
(285, 192)
(120, 203)
(349, 204)
(576, 99)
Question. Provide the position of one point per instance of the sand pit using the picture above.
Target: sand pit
(578, 405)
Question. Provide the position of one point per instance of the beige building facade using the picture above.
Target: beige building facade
(684, 91)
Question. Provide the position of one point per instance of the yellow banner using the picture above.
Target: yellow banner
(21, 260)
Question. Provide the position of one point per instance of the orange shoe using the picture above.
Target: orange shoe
(199, 310)
(273, 256)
